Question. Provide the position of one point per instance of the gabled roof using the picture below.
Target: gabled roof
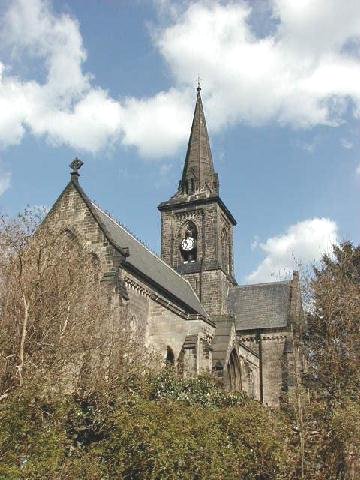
(147, 263)
(260, 306)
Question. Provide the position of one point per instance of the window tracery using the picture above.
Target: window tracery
(188, 242)
(225, 250)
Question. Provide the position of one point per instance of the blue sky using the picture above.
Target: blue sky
(113, 82)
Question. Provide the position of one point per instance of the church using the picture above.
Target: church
(187, 301)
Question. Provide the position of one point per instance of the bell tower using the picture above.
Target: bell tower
(196, 226)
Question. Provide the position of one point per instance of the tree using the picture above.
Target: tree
(333, 335)
(79, 397)
(332, 343)
(59, 323)
(175, 429)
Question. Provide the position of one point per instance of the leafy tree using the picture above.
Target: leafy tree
(54, 329)
(333, 327)
(332, 342)
(133, 435)
(79, 397)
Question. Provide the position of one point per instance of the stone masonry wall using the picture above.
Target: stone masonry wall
(272, 357)
(159, 322)
(167, 329)
(138, 306)
(210, 222)
(155, 320)
(214, 287)
(272, 368)
(71, 213)
(208, 276)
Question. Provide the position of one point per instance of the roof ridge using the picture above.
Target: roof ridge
(117, 222)
(278, 282)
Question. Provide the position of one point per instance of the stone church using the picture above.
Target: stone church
(187, 300)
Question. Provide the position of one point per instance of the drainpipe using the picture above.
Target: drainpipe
(203, 246)
(259, 340)
(201, 279)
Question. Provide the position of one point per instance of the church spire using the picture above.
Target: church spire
(199, 175)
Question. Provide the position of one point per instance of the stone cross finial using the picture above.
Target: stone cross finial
(198, 84)
(76, 164)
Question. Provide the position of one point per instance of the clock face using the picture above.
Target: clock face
(187, 244)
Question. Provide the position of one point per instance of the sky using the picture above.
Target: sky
(114, 83)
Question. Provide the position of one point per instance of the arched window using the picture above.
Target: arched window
(189, 186)
(170, 357)
(180, 363)
(233, 372)
(188, 242)
(133, 323)
(225, 250)
(251, 383)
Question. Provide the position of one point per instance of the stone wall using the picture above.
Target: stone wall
(212, 288)
(211, 274)
(71, 213)
(250, 368)
(270, 349)
(186, 338)
(156, 320)
(272, 357)
(210, 222)
(165, 325)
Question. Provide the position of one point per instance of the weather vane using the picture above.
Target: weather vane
(198, 83)
(76, 164)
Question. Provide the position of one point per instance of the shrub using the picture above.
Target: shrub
(143, 436)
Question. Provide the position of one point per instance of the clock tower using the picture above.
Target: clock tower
(196, 226)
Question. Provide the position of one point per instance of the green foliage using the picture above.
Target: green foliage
(331, 420)
(202, 390)
(125, 422)
(31, 436)
(170, 440)
(333, 339)
(143, 436)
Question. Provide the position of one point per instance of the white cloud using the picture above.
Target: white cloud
(302, 244)
(308, 147)
(65, 108)
(30, 26)
(358, 170)
(347, 144)
(92, 124)
(157, 126)
(5, 180)
(299, 74)
(255, 243)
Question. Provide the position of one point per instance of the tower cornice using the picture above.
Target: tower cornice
(186, 203)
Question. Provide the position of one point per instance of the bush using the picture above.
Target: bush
(164, 434)
(202, 390)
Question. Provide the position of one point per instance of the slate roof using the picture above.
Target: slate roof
(147, 263)
(265, 305)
